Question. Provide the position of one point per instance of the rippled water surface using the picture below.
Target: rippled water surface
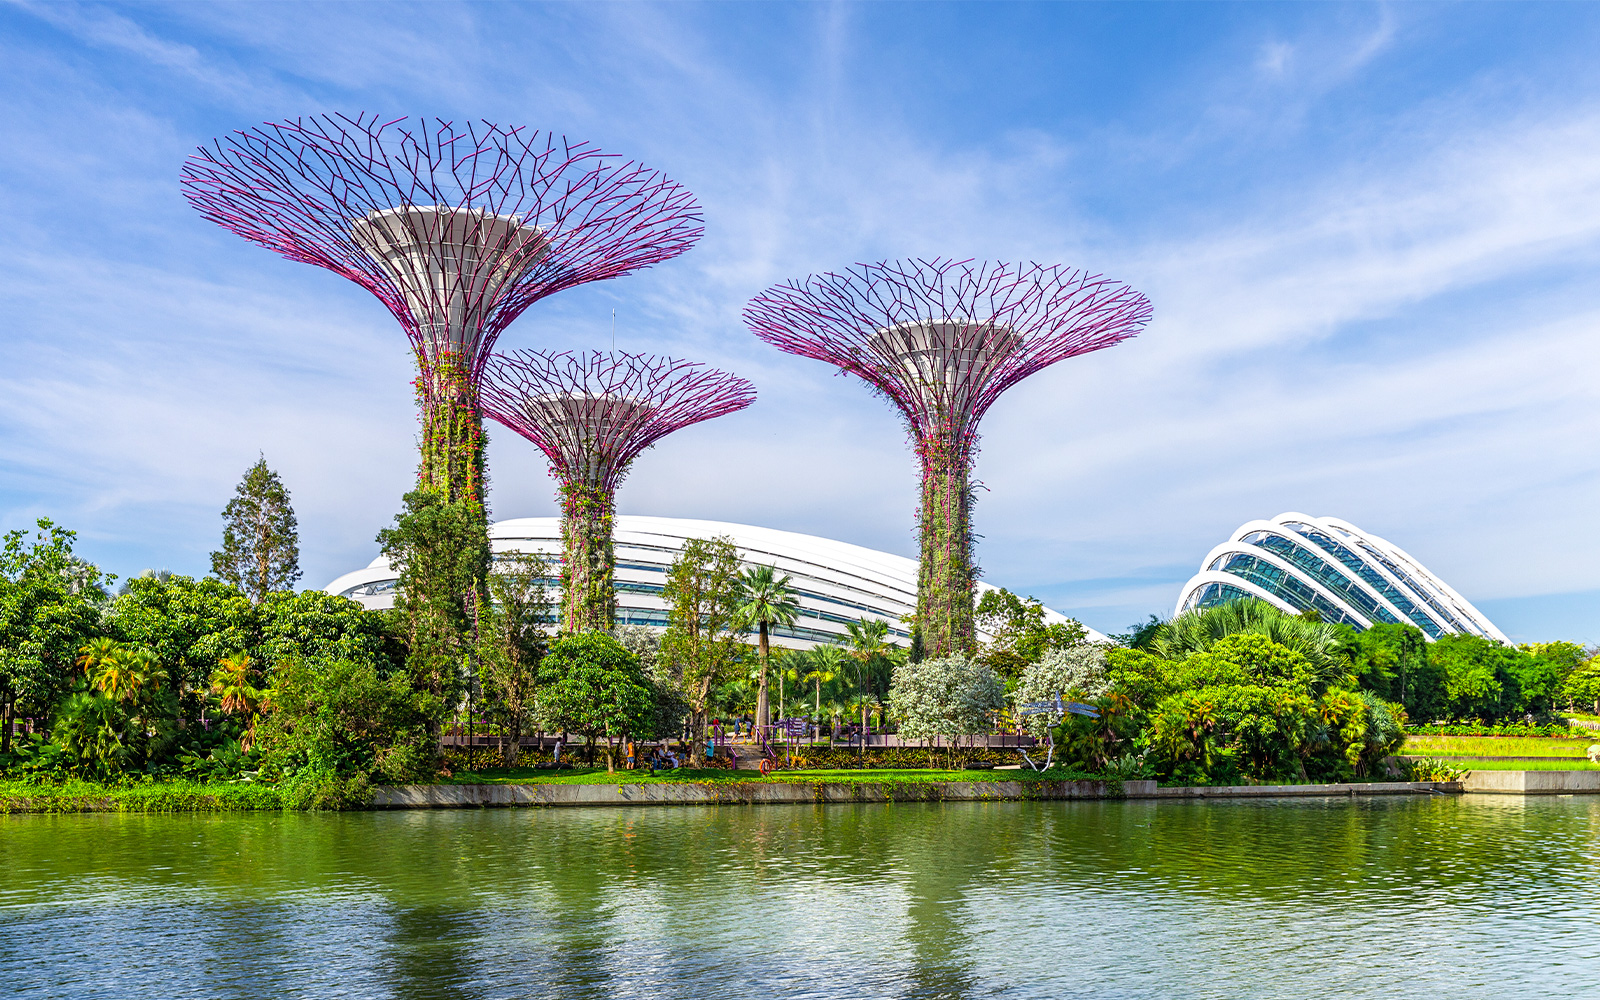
(1443, 897)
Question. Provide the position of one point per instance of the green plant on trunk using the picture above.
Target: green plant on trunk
(765, 599)
(588, 590)
(232, 683)
(946, 572)
(452, 462)
(260, 544)
(822, 665)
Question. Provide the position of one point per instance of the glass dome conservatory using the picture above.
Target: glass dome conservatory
(1347, 575)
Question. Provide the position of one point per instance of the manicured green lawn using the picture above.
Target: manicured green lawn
(1496, 746)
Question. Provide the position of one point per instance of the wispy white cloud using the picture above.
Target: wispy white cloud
(1390, 332)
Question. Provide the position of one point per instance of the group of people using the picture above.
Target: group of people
(661, 758)
(744, 725)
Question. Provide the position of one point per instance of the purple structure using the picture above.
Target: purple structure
(592, 414)
(455, 228)
(941, 340)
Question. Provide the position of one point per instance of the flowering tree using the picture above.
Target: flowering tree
(1077, 671)
(947, 696)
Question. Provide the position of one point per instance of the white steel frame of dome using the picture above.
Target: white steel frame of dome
(837, 583)
(1298, 562)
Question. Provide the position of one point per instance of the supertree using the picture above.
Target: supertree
(455, 228)
(592, 414)
(941, 340)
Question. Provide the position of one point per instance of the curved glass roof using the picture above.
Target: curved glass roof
(1301, 563)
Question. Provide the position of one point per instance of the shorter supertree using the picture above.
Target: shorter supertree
(941, 340)
(592, 414)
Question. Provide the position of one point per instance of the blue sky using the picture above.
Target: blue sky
(1371, 235)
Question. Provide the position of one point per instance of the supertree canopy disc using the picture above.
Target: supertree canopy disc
(941, 340)
(592, 414)
(456, 228)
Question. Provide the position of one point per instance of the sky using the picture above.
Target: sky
(1370, 234)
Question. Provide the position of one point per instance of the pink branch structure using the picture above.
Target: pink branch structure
(455, 228)
(941, 340)
(592, 414)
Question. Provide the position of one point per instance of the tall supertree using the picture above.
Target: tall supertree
(941, 340)
(592, 414)
(455, 228)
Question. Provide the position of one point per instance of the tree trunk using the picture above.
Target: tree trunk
(512, 749)
(763, 705)
(7, 715)
(945, 572)
(588, 568)
(861, 751)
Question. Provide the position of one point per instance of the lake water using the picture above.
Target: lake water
(1448, 897)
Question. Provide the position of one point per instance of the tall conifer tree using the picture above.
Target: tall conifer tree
(260, 538)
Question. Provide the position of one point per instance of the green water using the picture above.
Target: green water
(1446, 897)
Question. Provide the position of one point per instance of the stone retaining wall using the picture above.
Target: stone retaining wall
(785, 792)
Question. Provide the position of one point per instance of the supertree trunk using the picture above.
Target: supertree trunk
(592, 414)
(452, 462)
(942, 340)
(945, 573)
(588, 597)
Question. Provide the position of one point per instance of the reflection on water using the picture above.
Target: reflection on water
(1441, 897)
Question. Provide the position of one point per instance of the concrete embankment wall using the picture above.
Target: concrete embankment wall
(1533, 782)
(776, 793)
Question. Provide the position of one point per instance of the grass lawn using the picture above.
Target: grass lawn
(1523, 765)
(1497, 746)
(598, 776)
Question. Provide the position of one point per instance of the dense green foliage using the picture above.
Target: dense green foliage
(1020, 635)
(701, 646)
(440, 549)
(49, 606)
(1465, 677)
(590, 684)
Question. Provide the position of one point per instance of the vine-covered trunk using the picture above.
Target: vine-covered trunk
(588, 594)
(946, 574)
(452, 434)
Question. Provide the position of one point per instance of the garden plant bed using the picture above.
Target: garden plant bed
(163, 796)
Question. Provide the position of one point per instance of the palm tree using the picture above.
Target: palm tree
(117, 675)
(870, 651)
(765, 599)
(1198, 630)
(231, 682)
(824, 663)
(97, 651)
